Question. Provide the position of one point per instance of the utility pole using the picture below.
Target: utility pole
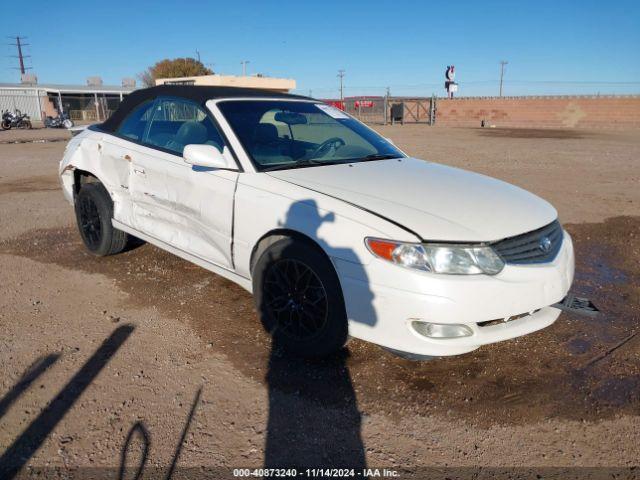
(502, 64)
(341, 76)
(310, 93)
(386, 104)
(198, 54)
(20, 56)
(244, 67)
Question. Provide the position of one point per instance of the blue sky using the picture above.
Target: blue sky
(553, 47)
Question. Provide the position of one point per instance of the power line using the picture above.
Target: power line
(20, 55)
(502, 64)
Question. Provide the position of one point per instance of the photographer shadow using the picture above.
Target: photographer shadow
(314, 420)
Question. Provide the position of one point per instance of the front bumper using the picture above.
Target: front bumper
(382, 299)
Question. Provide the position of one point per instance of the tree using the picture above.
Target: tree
(178, 67)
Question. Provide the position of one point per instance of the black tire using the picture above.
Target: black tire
(299, 299)
(94, 211)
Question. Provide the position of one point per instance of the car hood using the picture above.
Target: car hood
(434, 201)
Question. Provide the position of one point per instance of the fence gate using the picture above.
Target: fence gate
(416, 110)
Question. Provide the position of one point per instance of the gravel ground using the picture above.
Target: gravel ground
(146, 347)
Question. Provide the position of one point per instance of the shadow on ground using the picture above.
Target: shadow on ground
(30, 440)
(545, 374)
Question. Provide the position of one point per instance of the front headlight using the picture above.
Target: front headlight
(438, 258)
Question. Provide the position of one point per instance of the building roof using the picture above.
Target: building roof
(245, 81)
(50, 87)
(197, 93)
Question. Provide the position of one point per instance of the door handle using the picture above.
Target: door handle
(126, 157)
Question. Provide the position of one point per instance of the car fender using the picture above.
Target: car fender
(265, 206)
(83, 152)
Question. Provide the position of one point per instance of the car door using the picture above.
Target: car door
(188, 207)
(116, 152)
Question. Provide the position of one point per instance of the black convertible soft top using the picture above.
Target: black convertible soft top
(198, 93)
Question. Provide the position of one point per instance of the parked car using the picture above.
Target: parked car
(334, 229)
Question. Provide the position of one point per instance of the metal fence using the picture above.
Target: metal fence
(95, 107)
(40, 103)
(26, 101)
(383, 110)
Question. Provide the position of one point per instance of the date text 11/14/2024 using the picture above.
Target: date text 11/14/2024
(316, 473)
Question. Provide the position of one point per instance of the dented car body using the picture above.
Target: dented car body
(335, 230)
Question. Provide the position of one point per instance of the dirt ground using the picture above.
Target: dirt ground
(145, 358)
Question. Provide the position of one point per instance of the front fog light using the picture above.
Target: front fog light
(440, 330)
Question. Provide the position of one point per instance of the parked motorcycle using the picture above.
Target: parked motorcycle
(61, 121)
(17, 119)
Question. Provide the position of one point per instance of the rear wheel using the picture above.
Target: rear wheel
(94, 211)
(299, 299)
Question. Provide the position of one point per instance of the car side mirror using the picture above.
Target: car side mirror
(206, 156)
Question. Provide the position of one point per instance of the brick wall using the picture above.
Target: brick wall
(541, 112)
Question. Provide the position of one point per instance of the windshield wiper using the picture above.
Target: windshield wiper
(314, 162)
(299, 164)
(378, 156)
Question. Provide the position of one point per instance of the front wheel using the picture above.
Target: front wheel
(299, 299)
(94, 211)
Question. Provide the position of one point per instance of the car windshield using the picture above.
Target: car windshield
(293, 134)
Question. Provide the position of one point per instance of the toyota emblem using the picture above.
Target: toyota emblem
(545, 244)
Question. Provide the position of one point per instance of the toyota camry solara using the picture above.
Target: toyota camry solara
(334, 230)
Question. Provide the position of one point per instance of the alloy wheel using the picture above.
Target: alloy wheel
(295, 298)
(90, 222)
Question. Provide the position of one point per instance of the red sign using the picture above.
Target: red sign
(363, 104)
(335, 103)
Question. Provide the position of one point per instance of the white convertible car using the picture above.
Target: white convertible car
(336, 231)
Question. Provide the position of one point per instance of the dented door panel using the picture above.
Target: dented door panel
(188, 209)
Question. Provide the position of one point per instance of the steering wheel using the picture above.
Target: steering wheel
(323, 148)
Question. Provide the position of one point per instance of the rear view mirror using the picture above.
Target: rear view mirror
(290, 118)
(206, 156)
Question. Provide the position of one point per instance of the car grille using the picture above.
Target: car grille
(539, 246)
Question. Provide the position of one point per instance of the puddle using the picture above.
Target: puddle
(533, 133)
(32, 184)
(524, 380)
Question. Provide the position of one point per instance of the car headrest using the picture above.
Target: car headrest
(265, 133)
(191, 132)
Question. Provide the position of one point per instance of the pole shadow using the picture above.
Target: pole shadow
(36, 369)
(30, 440)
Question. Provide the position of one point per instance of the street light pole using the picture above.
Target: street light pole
(502, 64)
